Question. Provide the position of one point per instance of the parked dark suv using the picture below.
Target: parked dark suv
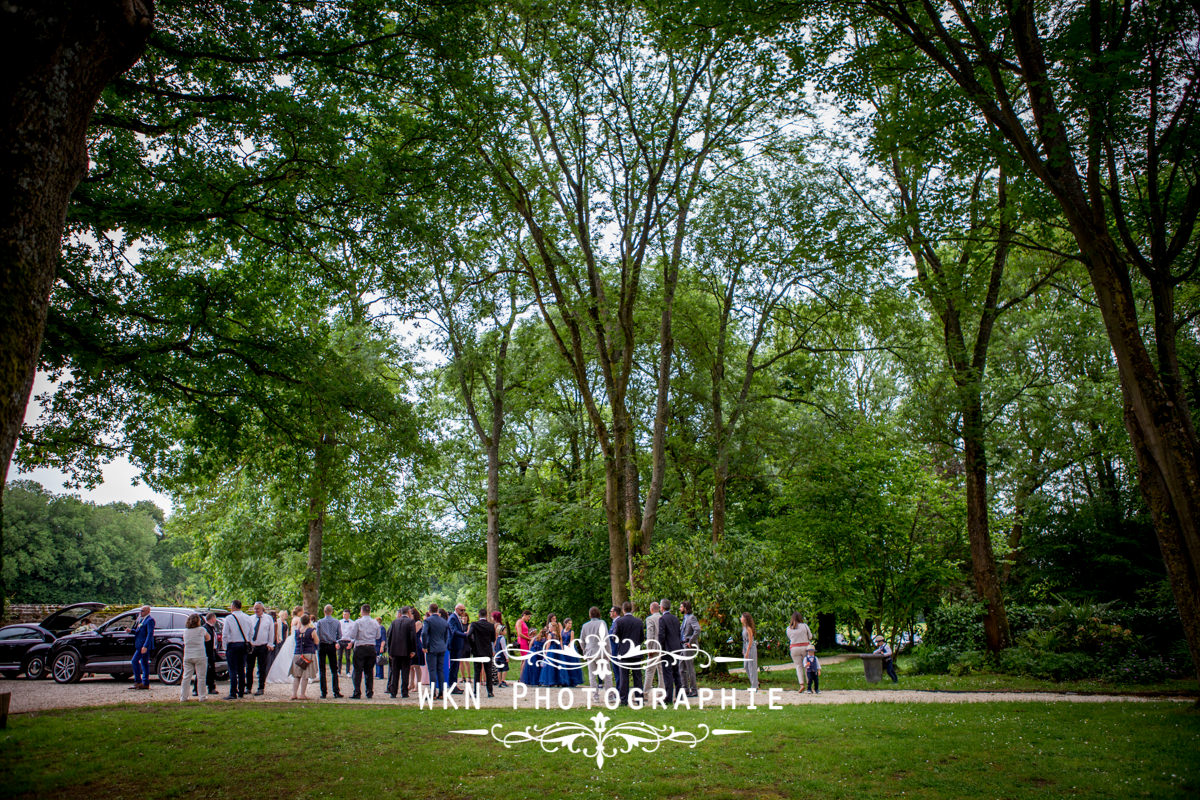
(109, 648)
(24, 647)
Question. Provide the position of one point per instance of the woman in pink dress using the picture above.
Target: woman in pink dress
(523, 632)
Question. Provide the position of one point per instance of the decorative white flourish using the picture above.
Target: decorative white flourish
(636, 657)
(599, 741)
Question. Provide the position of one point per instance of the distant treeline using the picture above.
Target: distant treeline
(61, 549)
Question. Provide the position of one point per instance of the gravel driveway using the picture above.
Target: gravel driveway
(44, 695)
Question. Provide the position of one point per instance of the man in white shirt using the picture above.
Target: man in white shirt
(262, 642)
(365, 630)
(235, 632)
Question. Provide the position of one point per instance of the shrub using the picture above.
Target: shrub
(927, 660)
(957, 626)
(971, 661)
(1047, 665)
(1143, 669)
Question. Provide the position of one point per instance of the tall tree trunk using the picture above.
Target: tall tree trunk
(57, 56)
(720, 479)
(1158, 420)
(318, 504)
(1164, 443)
(626, 464)
(614, 513)
(968, 363)
(662, 410)
(493, 523)
(983, 559)
(826, 630)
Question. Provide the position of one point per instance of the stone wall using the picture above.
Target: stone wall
(36, 612)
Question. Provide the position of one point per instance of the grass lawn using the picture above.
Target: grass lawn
(849, 675)
(218, 750)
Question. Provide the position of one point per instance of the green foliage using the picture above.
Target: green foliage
(929, 659)
(955, 626)
(868, 528)
(722, 581)
(1062, 642)
(60, 549)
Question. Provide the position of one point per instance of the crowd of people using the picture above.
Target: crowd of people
(439, 649)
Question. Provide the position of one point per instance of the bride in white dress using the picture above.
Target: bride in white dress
(281, 669)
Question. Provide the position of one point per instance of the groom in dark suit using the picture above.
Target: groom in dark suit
(481, 636)
(629, 632)
(402, 645)
(672, 642)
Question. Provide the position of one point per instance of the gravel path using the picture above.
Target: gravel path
(32, 696)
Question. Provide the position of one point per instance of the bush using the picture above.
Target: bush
(1144, 669)
(927, 660)
(1066, 641)
(971, 661)
(1047, 665)
(958, 627)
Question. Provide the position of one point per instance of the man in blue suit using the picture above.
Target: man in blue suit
(435, 635)
(143, 646)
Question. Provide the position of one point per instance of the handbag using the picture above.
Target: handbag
(301, 661)
(383, 659)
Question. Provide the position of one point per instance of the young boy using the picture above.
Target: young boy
(812, 669)
(889, 663)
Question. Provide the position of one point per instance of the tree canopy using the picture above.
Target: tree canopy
(853, 309)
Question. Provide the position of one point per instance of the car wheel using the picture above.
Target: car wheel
(35, 667)
(67, 667)
(170, 667)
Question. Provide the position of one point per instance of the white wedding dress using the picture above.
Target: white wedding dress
(280, 671)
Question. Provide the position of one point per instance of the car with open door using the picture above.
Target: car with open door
(109, 648)
(25, 647)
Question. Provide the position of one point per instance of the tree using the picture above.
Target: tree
(58, 57)
(61, 549)
(477, 313)
(775, 258)
(610, 125)
(213, 296)
(874, 532)
(1099, 101)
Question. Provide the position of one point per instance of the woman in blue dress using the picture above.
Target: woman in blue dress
(552, 674)
(574, 673)
(531, 673)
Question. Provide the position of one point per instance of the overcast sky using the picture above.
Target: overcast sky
(119, 476)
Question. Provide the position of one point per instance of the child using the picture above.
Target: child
(812, 668)
(889, 663)
(500, 651)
